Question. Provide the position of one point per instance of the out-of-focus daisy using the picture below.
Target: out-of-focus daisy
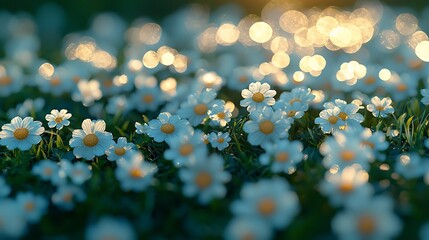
(248, 228)
(58, 119)
(167, 127)
(372, 218)
(14, 224)
(266, 125)
(46, 169)
(380, 108)
(205, 178)
(147, 98)
(196, 108)
(348, 184)
(78, 172)
(92, 140)
(66, 196)
(135, 174)
(11, 79)
(186, 149)
(257, 96)
(4, 188)
(425, 94)
(119, 105)
(343, 150)
(376, 141)
(296, 102)
(219, 140)
(33, 206)
(348, 113)
(21, 133)
(26, 108)
(411, 165)
(283, 155)
(110, 228)
(122, 150)
(87, 92)
(270, 200)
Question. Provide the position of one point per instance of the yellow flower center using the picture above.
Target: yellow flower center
(21, 133)
(333, 119)
(55, 81)
(47, 171)
(186, 149)
(266, 206)
(58, 120)
(221, 115)
(366, 224)
(136, 173)
(291, 113)
(120, 151)
(380, 108)
(346, 187)
(76, 79)
(29, 206)
(203, 179)
(370, 80)
(401, 87)
(282, 157)
(5, 80)
(343, 116)
(347, 155)
(266, 127)
(221, 140)
(200, 109)
(90, 140)
(258, 97)
(293, 100)
(167, 128)
(416, 64)
(368, 143)
(242, 79)
(148, 98)
(68, 197)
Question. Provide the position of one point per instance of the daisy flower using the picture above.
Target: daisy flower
(78, 172)
(328, 120)
(33, 206)
(135, 174)
(349, 184)
(110, 228)
(425, 94)
(21, 133)
(67, 195)
(269, 200)
(219, 140)
(58, 119)
(205, 178)
(122, 150)
(257, 96)
(300, 97)
(284, 155)
(348, 113)
(14, 224)
(380, 108)
(219, 114)
(196, 108)
(372, 218)
(248, 228)
(343, 150)
(411, 165)
(147, 98)
(87, 92)
(186, 149)
(266, 125)
(167, 127)
(46, 169)
(92, 140)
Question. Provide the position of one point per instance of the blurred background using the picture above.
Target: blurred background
(77, 13)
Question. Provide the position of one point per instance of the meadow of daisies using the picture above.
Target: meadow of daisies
(211, 124)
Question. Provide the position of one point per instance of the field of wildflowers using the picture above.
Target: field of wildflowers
(213, 124)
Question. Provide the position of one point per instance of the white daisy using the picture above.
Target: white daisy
(380, 107)
(21, 133)
(121, 150)
(135, 174)
(92, 140)
(257, 96)
(58, 119)
(167, 127)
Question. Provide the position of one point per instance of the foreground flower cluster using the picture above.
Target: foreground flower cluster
(258, 128)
